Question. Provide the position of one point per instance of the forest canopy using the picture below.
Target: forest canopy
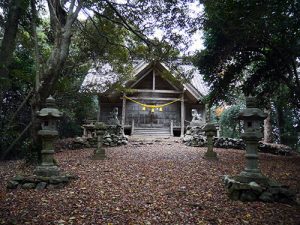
(46, 49)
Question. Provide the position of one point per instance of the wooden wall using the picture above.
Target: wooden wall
(146, 118)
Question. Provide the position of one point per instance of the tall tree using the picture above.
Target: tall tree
(16, 9)
(141, 18)
(253, 45)
(13, 11)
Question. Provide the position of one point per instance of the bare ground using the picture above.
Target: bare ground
(150, 183)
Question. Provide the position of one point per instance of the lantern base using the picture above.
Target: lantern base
(99, 154)
(247, 177)
(269, 191)
(47, 171)
(210, 155)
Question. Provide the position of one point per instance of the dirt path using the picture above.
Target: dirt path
(148, 182)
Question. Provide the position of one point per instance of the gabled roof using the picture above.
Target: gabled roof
(101, 78)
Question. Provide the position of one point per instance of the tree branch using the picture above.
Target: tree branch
(128, 26)
(53, 15)
(20, 107)
(107, 39)
(36, 47)
(15, 141)
(72, 6)
(296, 73)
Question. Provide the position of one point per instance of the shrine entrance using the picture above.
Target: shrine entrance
(153, 118)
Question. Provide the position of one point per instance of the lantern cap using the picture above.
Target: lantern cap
(49, 110)
(252, 112)
(209, 127)
(100, 126)
(50, 101)
(251, 102)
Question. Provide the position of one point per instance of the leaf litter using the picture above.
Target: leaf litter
(162, 183)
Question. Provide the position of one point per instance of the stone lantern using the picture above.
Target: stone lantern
(210, 132)
(49, 117)
(252, 117)
(99, 153)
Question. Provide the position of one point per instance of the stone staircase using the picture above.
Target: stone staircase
(158, 132)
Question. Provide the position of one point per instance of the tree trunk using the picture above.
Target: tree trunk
(62, 24)
(280, 122)
(16, 10)
(268, 136)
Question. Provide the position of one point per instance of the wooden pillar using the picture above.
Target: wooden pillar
(132, 127)
(205, 113)
(182, 116)
(123, 111)
(99, 108)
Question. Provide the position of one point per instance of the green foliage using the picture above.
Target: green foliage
(285, 118)
(251, 45)
(115, 33)
(20, 83)
(230, 125)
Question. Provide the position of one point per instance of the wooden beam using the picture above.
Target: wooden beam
(138, 80)
(156, 91)
(123, 110)
(182, 116)
(154, 99)
(169, 81)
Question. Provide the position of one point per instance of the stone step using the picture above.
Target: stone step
(151, 128)
(151, 135)
(152, 132)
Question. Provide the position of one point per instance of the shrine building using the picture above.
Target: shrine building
(153, 102)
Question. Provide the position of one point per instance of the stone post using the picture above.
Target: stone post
(99, 152)
(210, 132)
(252, 117)
(49, 117)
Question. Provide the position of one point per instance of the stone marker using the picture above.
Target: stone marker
(99, 152)
(251, 184)
(252, 118)
(49, 117)
(210, 132)
(47, 173)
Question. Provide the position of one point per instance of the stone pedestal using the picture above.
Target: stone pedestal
(210, 132)
(99, 152)
(251, 172)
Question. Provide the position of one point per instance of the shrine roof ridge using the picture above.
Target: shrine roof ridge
(102, 76)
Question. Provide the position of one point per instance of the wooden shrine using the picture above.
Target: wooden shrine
(155, 101)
